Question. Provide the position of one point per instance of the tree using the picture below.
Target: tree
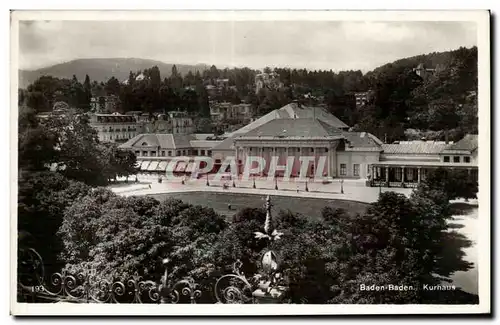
(87, 88)
(42, 200)
(118, 235)
(78, 152)
(117, 162)
(455, 183)
(37, 143)
(112, 87)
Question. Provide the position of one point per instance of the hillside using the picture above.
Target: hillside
(102, 69)
(430, 60)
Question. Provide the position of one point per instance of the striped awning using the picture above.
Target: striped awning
(162, 166)
(170, 166)
(145, 164)
(181, 167)
(153, 165)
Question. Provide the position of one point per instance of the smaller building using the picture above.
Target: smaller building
(267, 80)
(363, 98)
(407, 163)
(422, 71)
(239, 113)
(155, 151)
(104, 104)
(181, 122)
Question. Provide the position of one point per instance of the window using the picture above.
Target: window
(169, 153)
(446, 159)
(456, 159)
(466, 159)
(178, 152)
(326, 149)
(410, 173)
(398, 174)
(343, 169)
(312, 150)
(163, 153)
(209, 153)
(183, 152)
(355, 170)
(137, 153)
(153, 153)
(203, 152)
(145, 153)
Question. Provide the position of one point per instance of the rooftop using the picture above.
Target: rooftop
(414, 147)
(294, 127)
(468, 143)
(168, 141)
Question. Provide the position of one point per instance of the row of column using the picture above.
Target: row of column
(260, 151)
(403, 173)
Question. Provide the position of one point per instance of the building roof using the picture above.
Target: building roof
(203, 143)
(226, 144)
(164, 141)
(362, 140)
(414, 147)
(468, 143)
(290, 127)
(300, 111)
(293, 110)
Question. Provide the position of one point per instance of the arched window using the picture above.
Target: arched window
(144, 144)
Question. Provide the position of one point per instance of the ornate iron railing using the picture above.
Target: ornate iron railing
(86, 287)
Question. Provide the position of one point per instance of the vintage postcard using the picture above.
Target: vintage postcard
(272, 162)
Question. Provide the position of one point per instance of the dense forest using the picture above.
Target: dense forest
(403, 105)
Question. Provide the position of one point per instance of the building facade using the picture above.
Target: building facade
(241, 113)
(114, 127)
(362, 98)
(155, 151)
(104, 104)
(407, 163)
(267, 80)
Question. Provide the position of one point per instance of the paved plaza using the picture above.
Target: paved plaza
(353, 190)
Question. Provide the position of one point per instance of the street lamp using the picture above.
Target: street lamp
(208, 184)
(341, 186)
(307, 188)
(254, 182)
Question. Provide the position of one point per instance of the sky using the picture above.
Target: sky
(336, 45)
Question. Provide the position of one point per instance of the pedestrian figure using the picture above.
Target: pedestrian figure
(149, 186)
(229, 206)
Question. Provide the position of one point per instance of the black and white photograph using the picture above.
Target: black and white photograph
(269, 162)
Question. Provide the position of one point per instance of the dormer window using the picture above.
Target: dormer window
(144, 144)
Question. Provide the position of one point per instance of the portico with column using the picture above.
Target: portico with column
(285, 148)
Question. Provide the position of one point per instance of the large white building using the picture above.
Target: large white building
(296, 131)
(114, 127)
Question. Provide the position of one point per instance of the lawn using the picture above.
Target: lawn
(307, 206)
